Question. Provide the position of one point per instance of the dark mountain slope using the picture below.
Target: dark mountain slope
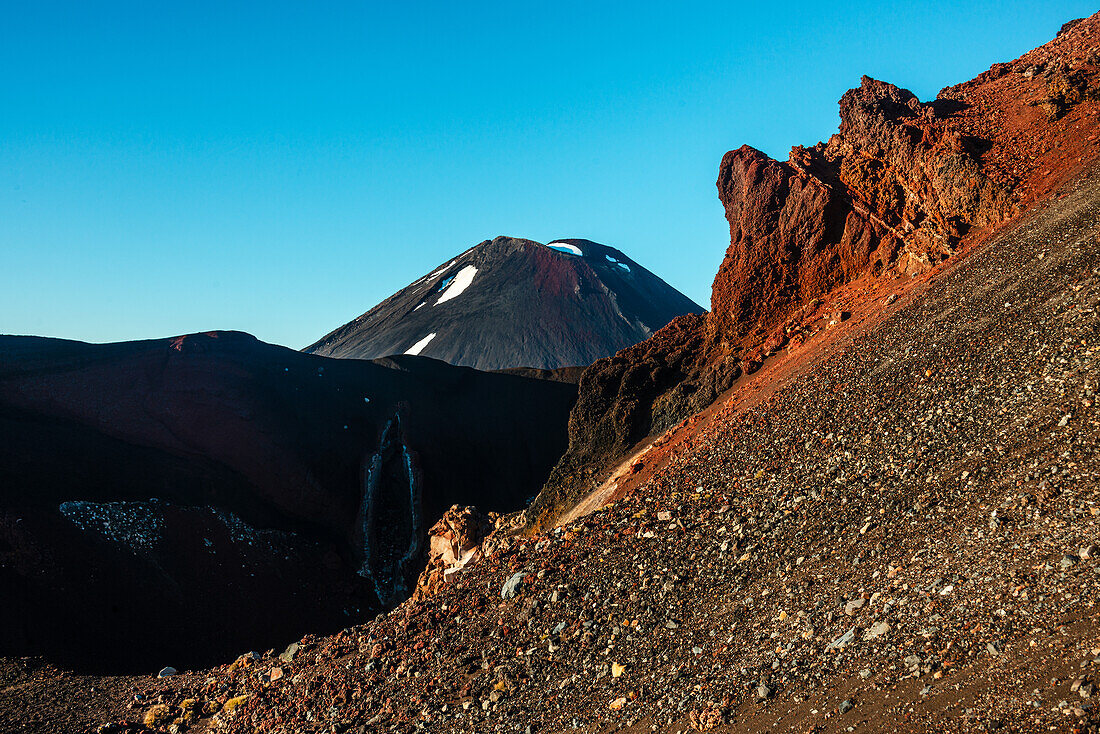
(234, 492)
(516, 303)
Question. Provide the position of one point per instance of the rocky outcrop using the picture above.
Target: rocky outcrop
(622, 399)
(894, 190)
(454, 543)
(892, 194)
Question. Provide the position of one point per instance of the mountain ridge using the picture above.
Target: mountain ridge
(511, 302)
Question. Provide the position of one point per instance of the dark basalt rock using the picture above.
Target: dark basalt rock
(641, 391)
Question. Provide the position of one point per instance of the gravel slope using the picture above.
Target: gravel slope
(891, 542)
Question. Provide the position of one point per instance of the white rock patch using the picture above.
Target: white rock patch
(460, 283)
(415, 349)
(137, 525)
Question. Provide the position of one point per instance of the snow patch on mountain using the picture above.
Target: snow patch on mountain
(622, 265)
(459, 283)
(415, 349)
(567, 248)
(439, 272)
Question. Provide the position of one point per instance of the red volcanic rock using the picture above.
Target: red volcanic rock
(779, 218)
(894, 192)
(901, 183)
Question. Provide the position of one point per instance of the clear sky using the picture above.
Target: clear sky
(279, 168)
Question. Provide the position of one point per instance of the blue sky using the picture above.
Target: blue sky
(279, 168)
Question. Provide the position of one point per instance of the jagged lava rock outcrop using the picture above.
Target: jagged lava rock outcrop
(893, 193)
(453, 542)
(512, 302)
(194, 495)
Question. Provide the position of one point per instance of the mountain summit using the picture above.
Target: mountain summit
(512, 302)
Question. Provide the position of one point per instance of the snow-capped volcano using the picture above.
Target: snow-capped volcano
(511, 302)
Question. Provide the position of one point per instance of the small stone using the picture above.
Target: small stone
(617, 704)
(846, 705)
(854, 606)
(617, 670)
(865, 673)
(763, 692)
(167, 672)
(288, 654)
(1068, 561)
(511, 586)
(1087, 552)
(876, 630)
(995, 647)
(843, 641)
(272, 675)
